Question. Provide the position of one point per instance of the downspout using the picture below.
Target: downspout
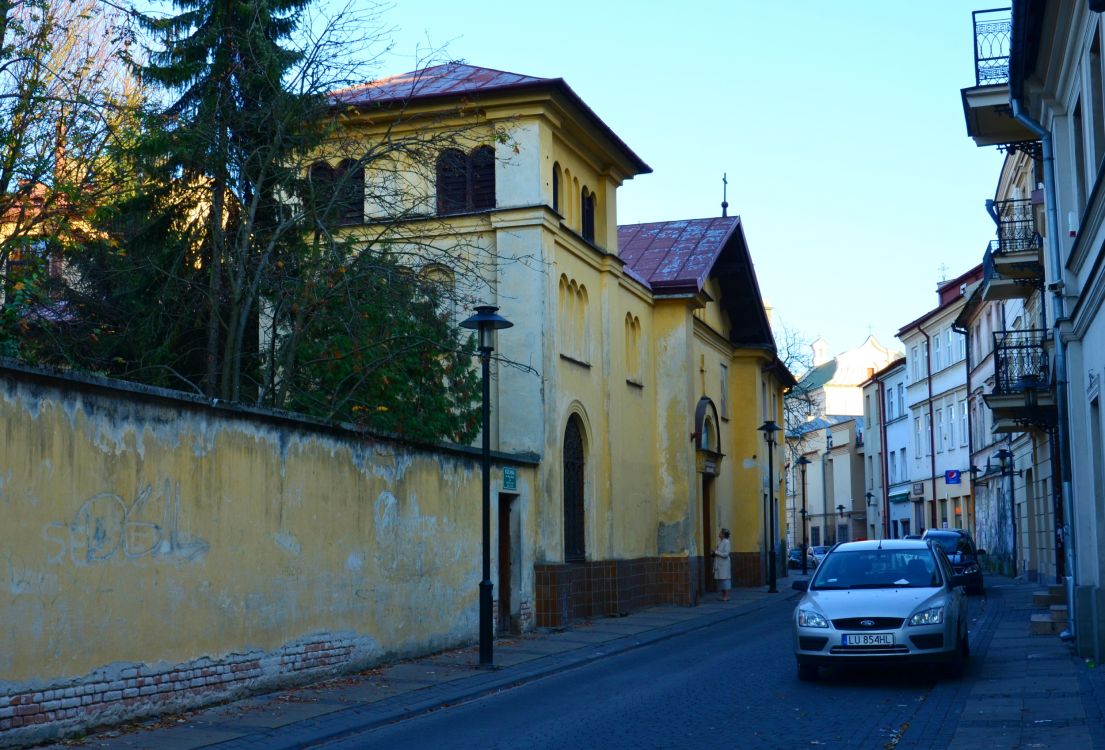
(932, 424)
(1061, 395)
(881, 390)
(965, 332)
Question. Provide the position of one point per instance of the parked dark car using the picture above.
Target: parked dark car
(794, 559)
(962, 553)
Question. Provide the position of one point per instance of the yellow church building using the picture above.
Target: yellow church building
(647, 358)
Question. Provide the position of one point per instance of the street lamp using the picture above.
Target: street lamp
(870, 504)
(485, 322)
(769, 428)
(840, 510)
(803, 462)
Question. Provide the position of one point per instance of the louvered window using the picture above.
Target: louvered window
(349, 200)
(452, 181)
(481, 173)
(465, 183)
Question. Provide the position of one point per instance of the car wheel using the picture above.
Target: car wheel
(958, 663)
(807, 672)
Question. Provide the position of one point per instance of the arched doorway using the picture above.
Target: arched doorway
(575, 548)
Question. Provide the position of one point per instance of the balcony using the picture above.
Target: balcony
(1013, 266)
(1022, 396)
(986, 104)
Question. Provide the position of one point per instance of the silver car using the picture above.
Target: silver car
(892, 600)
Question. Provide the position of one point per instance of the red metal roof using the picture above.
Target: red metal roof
(675, 255)
(448, 79)
(457, 79)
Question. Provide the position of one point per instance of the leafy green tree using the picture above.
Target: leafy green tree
(219, 265)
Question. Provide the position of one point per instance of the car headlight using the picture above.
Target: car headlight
(933, 616)
(807, 618)
(970, 570)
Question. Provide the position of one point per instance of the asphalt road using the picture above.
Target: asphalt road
(733, 685)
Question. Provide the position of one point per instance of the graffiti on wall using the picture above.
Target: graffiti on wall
(106, 527)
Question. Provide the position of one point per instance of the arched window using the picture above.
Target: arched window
(587, 209)
(349, 200)
(556, 187)
(574, 538)
(452, 181)
(481, 174)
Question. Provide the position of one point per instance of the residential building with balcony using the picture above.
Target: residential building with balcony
(1048, 99)
(1011, 404)
(936, 397)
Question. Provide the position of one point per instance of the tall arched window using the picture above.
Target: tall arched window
(587, 207)
(556, 187)
(574, 537)
(349, 200)
(481, 174)
(452, 181)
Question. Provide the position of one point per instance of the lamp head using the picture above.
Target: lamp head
(485, 322)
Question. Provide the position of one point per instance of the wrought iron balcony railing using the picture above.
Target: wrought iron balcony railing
(1017, 226)
(993, 31)
(1020, 361)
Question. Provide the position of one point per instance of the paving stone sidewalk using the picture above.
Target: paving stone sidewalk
(339, 707)
(1021, 691)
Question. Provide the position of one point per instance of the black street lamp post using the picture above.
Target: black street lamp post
(803, 462)
(870, 505)
(769, 428)
(485, 322)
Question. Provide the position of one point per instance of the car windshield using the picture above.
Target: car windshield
(877, 569)
(956, 544)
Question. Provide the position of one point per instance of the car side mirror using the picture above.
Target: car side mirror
(958, 581)
(800, 585)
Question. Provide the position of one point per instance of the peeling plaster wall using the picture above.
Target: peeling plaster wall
(153, 532)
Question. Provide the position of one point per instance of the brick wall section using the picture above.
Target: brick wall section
(604, 588)
(747, 569)
(125, 692)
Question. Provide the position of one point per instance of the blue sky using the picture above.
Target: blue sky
(839, 125)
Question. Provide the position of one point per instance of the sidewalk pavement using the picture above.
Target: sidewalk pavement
(355, 703)
(1022, 690)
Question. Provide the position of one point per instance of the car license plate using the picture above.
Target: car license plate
(868, 639)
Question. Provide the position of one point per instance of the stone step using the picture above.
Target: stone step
(1043, 625)
(1041, 598)
(1058, 613)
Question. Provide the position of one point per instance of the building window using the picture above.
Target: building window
(917, 435)
(338, 192)
(725, 391)
(632, 348)
(901, 398)
(928, 434)
(951, 426)
(574, 537)
(915, 355)
(963, 422)
(937, 353)
(893, 470)
(556, 187)
(465, 183)
(587, 211)
(939, 430)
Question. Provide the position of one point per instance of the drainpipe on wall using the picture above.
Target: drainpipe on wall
(881, 390)
(932, 424)
(1061, 395)
(965, 333)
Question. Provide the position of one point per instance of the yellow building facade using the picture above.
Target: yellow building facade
(648, 358)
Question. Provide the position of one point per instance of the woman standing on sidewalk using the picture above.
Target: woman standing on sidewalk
(723, 570)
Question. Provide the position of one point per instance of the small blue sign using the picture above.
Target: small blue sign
(951, 476)
(510, 478)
